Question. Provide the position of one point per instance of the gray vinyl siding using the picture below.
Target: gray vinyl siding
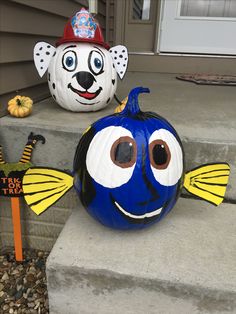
(110, 22)
(22, 24)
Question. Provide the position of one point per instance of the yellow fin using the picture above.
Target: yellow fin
(43, 187)
(208, 182)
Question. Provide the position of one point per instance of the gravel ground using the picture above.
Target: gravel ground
(23, 287)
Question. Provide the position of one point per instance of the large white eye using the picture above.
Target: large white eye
(95, 62)
(166, 157)
(111, 156)
(69, 61)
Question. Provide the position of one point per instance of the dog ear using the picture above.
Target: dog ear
(43, 53)
(120, 58)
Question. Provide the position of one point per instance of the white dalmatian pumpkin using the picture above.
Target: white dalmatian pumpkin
(81, 76)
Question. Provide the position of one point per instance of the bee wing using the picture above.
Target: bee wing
(208, 182)
(43, 187)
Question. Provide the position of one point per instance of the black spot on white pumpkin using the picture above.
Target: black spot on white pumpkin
(41, 68)
(41, 60)
(113, 65)
(113, 82)
(108, 100)
(54, 97)
(120, 58)
(41, 48)
(53, 85)
(54, 54)
(37, 54)
(49, 77)
(47, 53)
(48, 46)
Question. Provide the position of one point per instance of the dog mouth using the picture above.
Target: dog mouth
(85, 94)
(134, 218)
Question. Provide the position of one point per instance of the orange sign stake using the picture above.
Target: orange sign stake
(15, 206)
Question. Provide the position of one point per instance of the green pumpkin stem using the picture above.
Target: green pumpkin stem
(18, 102)
(132, 106)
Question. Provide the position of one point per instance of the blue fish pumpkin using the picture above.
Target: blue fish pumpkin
(129, 167)
(128, 171)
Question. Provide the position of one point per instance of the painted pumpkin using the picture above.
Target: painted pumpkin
(123, 154)
(82, 70)
(20, 106)
(79, 75)
(128, 171)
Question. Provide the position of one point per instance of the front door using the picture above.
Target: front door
(198, 26)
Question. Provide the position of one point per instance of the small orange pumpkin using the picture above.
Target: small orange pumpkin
(121, 106)
(20, 106)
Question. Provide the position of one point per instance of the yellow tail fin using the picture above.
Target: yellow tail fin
(43, 187)
(208, 182)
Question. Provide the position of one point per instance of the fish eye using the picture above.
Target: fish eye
(69, 61)
(159, 154)
(123, 152)
(95, 62)
(166, 157)
(111, 156)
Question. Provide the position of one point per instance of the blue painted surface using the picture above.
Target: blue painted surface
(142, 193)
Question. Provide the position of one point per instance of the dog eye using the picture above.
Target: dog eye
(95, 62)
(69, 61)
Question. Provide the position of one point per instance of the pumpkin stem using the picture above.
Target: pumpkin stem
(18, 102)
(132, 106)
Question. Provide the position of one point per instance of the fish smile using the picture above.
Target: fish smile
(133, 218)
(85, 94)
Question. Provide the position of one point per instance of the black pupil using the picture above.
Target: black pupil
(124, 152)
(160, 155)
(69, 61)
(97, 63)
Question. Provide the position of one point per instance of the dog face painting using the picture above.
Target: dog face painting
(82, 72)
(81, 77)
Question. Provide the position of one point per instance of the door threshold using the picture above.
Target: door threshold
(177, 54)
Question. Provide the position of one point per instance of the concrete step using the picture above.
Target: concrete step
(185, 264)
(204, 117)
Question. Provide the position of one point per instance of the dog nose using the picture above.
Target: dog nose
(85, 79)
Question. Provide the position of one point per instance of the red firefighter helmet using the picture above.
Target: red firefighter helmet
(82, 27)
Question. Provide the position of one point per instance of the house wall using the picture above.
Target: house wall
(142, 55)
(110, 31)
(22, 24)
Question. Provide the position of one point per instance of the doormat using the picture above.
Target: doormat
(206, 79)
